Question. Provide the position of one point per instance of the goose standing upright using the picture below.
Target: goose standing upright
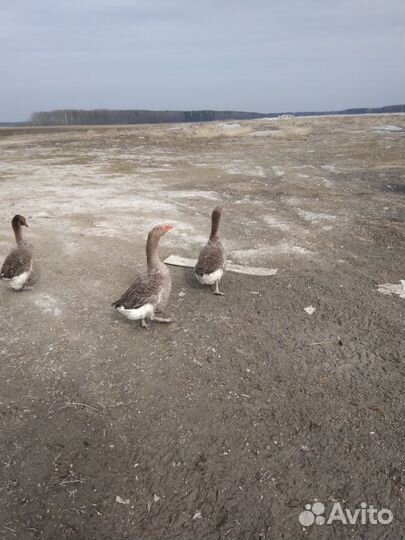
(18, 267)
(150, 292)
(211, 262)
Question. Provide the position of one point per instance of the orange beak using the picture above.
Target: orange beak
(166, 228)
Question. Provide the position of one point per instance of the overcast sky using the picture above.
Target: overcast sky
(256, 55)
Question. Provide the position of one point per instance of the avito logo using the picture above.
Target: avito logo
(366, 514)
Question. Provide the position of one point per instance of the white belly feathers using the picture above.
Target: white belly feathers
(17, 282)
(143, 312)
(210, 279)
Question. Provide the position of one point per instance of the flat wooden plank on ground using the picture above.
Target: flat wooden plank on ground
(175, 260)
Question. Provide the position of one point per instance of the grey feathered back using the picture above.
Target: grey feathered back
(155, 285)
(18, 261)
(212, 258)
(151, 288)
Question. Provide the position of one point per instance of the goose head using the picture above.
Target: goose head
(18, 220)
(215, 219)
(160, 230)
(217, 212)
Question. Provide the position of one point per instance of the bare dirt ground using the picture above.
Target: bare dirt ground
(226, 423)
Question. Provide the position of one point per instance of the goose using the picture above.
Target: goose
(150, 292)
(211, 262)
(18, 267)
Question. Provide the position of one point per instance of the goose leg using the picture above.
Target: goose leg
(217, 291)
(144, 324)
(162, 319)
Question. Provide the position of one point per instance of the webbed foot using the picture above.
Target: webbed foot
(144, 324)
(162, 319)
(217, 291)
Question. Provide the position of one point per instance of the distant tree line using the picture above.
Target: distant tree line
(361, 110)
(67, 117)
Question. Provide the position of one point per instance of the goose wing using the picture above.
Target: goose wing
(18, 261)
(146, 289)
(211, 258)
